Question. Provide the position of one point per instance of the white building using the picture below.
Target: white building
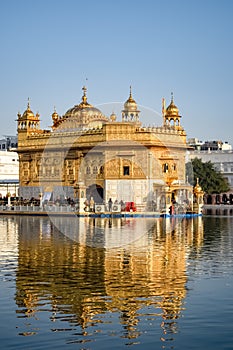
(209, 145)
(9, 143)
(9, 173)
(222, 157)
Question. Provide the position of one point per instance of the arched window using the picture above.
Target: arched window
(95, 170)
(88, 170)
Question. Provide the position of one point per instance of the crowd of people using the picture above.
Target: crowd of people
(109, 205)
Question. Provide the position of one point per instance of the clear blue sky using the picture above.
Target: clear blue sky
(49, 48)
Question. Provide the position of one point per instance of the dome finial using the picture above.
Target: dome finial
(28, 113)
(55, 116)
(84, 97)
(130, 91)
(172, 99)
(130, 99)
(84, 90)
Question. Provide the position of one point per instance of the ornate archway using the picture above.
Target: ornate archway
(95, 191)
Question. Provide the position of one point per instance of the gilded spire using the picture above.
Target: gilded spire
(84, 102)
(84, 97)
(172, 109)
(172, 99)
(130, 112)
(54, 111)
(28, 113)
(171, 115)
(28, 105)
(55, 116)
(130, 99)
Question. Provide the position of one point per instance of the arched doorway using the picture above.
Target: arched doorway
(224, 198)
(217, 199)
(231, 198)
(209, 199)
(95, 191)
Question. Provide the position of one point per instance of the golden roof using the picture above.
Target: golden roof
(172, 109)
(130, 104)
(28, 113)
(197, 188)
(113, 117)
(80, 115)
(84, 106)
(55, 116)
(84, 103)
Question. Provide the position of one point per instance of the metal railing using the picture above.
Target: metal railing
(35, 208)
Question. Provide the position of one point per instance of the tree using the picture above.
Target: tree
(211, 180)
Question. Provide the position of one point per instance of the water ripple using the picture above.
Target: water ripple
(151, 293)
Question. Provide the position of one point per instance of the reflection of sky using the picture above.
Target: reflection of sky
(113, 232)
(174, 289)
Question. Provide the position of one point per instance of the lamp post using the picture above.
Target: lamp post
(80, 195)
(41, 200)
(168, 200)
(198, 195)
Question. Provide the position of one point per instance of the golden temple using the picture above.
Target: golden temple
(87, 155)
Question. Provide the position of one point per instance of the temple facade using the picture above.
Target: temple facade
(87, 155)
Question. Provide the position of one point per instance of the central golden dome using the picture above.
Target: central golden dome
(84, 107)
(81, 116)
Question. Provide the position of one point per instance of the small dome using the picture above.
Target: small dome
(172, 109)
(197, 188)
(130, 104)
(55, 116)
(113, 117)
(28, 113)
(83, 108)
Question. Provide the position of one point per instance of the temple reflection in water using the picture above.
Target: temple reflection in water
(81, 283)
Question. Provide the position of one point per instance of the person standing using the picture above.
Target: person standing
(110, 204)
(92, 204)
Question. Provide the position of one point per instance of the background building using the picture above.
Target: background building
(209, 145)
(8, 143)
(9, 167)
(217, 152)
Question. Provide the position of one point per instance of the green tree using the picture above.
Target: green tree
(211, 180)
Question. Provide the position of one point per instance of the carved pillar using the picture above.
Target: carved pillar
(80, 195)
